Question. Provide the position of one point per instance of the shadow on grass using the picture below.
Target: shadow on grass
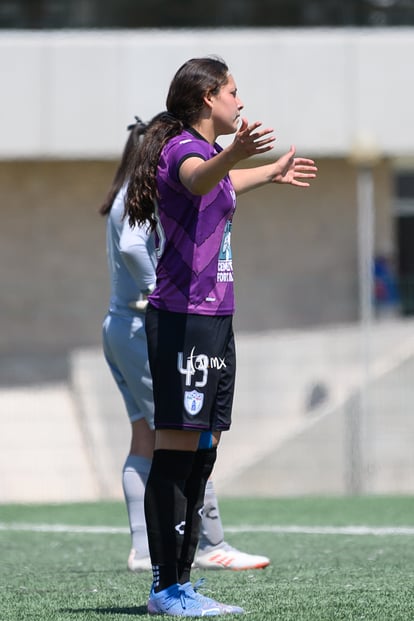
(133, 610)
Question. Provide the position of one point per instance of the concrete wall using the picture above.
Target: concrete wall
(70, 94)
(67, 99)
(72, 437)
(295, 253)
(52, 254)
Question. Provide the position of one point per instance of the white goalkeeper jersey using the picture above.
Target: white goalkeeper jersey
(131, 258)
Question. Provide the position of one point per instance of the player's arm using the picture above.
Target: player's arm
(201, 176)
(134, 248)
(287, 169)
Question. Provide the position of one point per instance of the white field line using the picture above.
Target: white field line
(304, 530)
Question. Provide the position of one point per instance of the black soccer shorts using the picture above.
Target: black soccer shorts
(193, 366)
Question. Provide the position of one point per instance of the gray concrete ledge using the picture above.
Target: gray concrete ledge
(290, 434)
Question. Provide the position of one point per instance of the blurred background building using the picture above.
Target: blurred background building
(324, 276)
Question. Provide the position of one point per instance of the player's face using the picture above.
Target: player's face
(226, 107)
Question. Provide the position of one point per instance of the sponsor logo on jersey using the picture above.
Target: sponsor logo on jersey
(225, 263)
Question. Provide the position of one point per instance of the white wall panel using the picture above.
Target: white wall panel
(84, 102)
(23, 121)
(75, 92)
(384, 90)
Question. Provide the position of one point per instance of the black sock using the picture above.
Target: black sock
(194, 492)
(165, 512)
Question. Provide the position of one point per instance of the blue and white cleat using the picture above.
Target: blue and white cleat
(225, 609)
(177, 601)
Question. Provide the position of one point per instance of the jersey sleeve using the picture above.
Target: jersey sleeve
(180, 150)
(137, 248)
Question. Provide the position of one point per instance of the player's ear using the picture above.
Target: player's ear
(208, 100)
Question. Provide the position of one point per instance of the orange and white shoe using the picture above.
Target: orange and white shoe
(137, 564)
(224, 556)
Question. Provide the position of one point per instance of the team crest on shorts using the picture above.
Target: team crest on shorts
(193, 402)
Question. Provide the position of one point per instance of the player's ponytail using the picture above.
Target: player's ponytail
(142, 188)
(126, 165)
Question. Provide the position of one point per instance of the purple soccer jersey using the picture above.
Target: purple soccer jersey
(195, 271)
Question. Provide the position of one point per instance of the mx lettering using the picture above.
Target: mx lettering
(201, 363)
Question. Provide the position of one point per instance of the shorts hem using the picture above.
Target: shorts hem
(182, 428)
(190, 428)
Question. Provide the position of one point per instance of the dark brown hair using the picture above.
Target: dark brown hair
(126, 165)
(194, 80)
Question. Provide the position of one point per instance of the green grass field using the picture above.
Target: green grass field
(61, 573)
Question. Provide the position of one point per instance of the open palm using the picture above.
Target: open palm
(294, 170)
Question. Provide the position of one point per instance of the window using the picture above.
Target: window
(404, 229)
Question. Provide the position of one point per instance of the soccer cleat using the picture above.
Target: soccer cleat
(224, 556)
(177, 601)
(225, 609)
(137, 564)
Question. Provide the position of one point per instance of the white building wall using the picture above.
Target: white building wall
(70, 94)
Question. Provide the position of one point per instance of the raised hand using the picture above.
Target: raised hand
(248, 141)
(293, 170)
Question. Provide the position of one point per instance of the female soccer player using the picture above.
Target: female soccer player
(131, 262)
(185, 185)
